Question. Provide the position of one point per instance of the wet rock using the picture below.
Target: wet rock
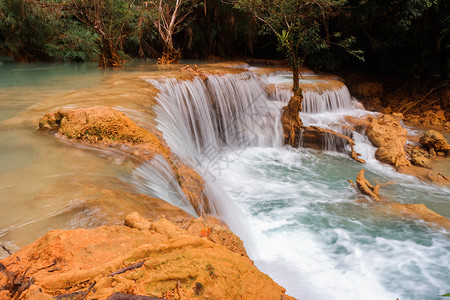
(414, 211)
(389, 137)
(421, 212)
(365, 187)
(106, 126)
(135, 220)
(434, 140)
(95, 124)
(51, 121)
(419, 157)
(175, 262)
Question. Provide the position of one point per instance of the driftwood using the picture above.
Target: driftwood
(122, 296)
(366, 187)
(16, 284)
(81, 295)
(6, 249)
(128, 268)
(313, 138)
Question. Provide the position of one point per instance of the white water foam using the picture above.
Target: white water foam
(312, 238)
(293, 207)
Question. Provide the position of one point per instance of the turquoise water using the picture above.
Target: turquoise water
(22, 85)
(45, 183)
(300, 220)
(309, 233)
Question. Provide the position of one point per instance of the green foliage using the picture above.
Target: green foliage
(28, 32)
(301, 27)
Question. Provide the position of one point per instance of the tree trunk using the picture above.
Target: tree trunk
(296, 78)
(291, 122)
(290, 118)
(109, 56)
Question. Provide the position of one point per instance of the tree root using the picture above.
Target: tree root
(365, 187)
(16, 284)
(312, 133)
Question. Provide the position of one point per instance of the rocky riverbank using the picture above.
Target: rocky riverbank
(166, 254)
(189, 259)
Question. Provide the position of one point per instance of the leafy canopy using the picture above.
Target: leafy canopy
(301, 26)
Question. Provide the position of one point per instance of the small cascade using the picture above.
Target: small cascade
(317, 101)
(330, 100)
(233, 111)
(156, 178)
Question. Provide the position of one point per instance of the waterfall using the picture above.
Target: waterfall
(292, 207)
(231, 111)
(156, 178)
(330, 100)
(318, 101)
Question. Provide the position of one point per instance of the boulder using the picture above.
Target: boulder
(165, 261)
(419, 157)
(433, 140)
(389, 137)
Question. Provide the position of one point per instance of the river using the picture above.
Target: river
(293, 208)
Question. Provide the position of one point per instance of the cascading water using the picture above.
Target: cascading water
(226, 111)
(304, 227)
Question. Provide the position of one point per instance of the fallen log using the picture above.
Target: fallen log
(6, 249)
(314, 137)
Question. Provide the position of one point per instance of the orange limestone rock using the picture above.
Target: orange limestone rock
(104, 126)
(412, 211)
(389, 137)
(419, 211)
(163, 261)
(435, 141)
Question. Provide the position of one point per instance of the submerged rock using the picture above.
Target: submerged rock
(419, 211)
(413, 211)
(162, 261)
